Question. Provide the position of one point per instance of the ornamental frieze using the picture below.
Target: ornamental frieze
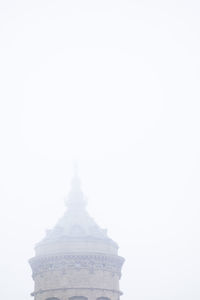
(77, 289)
(63, 263)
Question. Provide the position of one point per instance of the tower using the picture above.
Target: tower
(76, 260)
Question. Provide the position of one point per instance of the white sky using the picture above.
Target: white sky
(115, 86)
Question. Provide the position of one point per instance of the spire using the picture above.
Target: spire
(76, 222)
(76, 199)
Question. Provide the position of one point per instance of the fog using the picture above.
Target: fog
(114, 86)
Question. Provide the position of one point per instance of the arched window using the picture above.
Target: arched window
(78, 298)
(103, 298)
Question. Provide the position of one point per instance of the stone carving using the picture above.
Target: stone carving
(78, 289)
(108, 263)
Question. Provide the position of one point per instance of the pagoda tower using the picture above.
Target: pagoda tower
(76, 260)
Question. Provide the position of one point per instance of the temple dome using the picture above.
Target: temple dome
(76, 231)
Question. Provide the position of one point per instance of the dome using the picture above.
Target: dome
(76, 231)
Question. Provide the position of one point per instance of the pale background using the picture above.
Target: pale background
(113, 85)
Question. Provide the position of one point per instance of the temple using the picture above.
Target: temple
(76, 260)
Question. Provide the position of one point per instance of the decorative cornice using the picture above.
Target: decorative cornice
(92, 262)
(80, 288)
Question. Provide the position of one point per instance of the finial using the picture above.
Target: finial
(76, 199)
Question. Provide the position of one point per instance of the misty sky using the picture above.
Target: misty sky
(115, 86)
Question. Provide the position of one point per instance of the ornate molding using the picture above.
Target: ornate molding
(64, 263)
(80, 288)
